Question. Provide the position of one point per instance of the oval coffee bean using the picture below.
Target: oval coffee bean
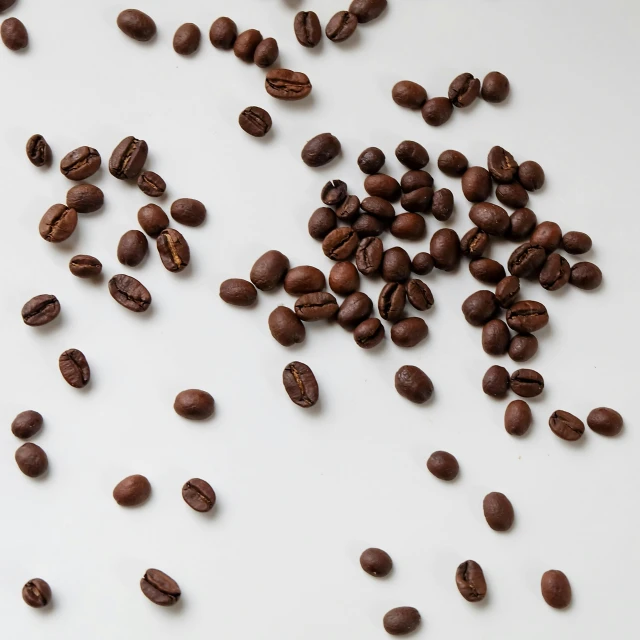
(376, 562)
(255, 121)
(476, 184)
(512, 195)
(194, 404)
(300, 384)
(495, 337)
(266, 53)
(151, 184)
(496, 381)
(344, 278)
(132, 491)
(186, 39)
(269, 270)
(437, 111)
(349, 209)
(445, 249)
(246, 44)
(443, 465)
(80, 164)
(58, 223)
(415, 179)
(199, 495)
(128, 158)
(401, 620)
(130, 293)
(321, 223)
(490, 218)
(555, 273)
(527, 316)
(502, 165)
(413, 384)
(14, 34)
(160, 588)
(442, 204)
(136, 25)
(286, 327)
(223, 33)
(507, 291)
(36, 593)
(367, 10)
(422, 263)
(396, 265)
(547, 235)
(132, 248)
(586, 276)
(320, 150)
(378, 207)
(369, 334)
(355, 309)
(527, 383)
(40, 310)
(284, 84)
(238, 292)
(28, 423)
(498, 511)
(412, 155)
(341, 26)
(367, 226)
(556, 589)
(74, 368)
(153, 219)
(474, 243)
(383, 186)
(409, 332)
(523, 222)
(480, 307)
(517, 418)
(371, 160)
(470, 581)
(408, 226)
(576, 242)
(523, 347)
(306, 26)
(487, 270)
(419, 295)
(495, 87)
(333, 193)
(340, 244)
(527, 260)
(83, 266)
(531, 175)
(38, 150)
(173, 250)
(31, 460)
(464, 90)
(188, 211)
(453, 163)
(312, 307)
(604, 421)
(304, 279)
(417, 201)
(408, 94)
(566, 426)
(391, 301)
(85, 198)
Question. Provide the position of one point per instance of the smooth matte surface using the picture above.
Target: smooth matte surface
(302, 493)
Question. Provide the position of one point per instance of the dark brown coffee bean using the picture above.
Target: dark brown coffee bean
(36, 593)
(153, 219)
(300, 384)
(367, 10)
(28, 423)
(396, 265)
(495, 87)
(173, 250)
(199, 495)
(285, 84)
(75, 368)
(369, 256)
(378, 207)
(527, 260)
(333, 193)
(58, 223)
(547, 235)
(136, 25)
(556, 589)
(321, 222)
(189, 212)
(269, 271)
(495, 382)
(320, 150)
(6, 4)
(132, 491)
(367, 226)
(369, 334)
(391, 301)
(160, 588)
(512, 195)
(531, 175)
(527, 383)
(480, 307)
(566, 426)
(470, 581)
(487, 270)
(186, 39)
(301, 280)
(14, 34)
(419, 295)
(340, 244)
(442, 204)
(40, 310)
(437, 111)
(498, 511)
(286, 327)
(194, 404)
(517, 418)
(415, 179)
(349, 209)
(474, 243)
(344, 278)
(604, 421)
(246, 44)
(341, 26)
(409, 332)
(502, 165)
(130, 293)
(413, 384)
(453, 163)
(223, 33)
(266, 53)
(418, 201)
(85, 198)
(576, 242)
(255, 121)
(464, 90)
(83, 266)
(31, 460)
(476, 184)
(354, 310)
(151, 184)
(306, 26)
(401, 620)
(409, 94)
(80, 164)
(132, 248)
(555, 273)
(495, 337)
(422, 263)
(490, 218)
(412, 154)
(445, 249)
(238, 292)
(371, 160)
(527, 316)
(312, 307)
(408, 226)
(38, 150)
(128, 158)
(523, 222)
(523, 347)
(443, 465)
(586, 276)
(507, 291)
(383, 186)
(376, 562)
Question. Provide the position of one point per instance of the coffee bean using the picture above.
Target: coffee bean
(442, 204)
(490, 218)
(349, 209)
(354, 310)
(413, 180)
(418, 201)
(422, 263)
(523, 222)
(199, 495)
(412, 154)
(502, 165)
(151, 184)
(341, 26)
(476, 184)
(136, 25)
(238, 292)
(269, 271)
(38, 150)
(320, 150)
(306, 26)
(186, 39)
(128, 158)
(340, 244)
(376, 562)
(495, 87)
(498, 511)
(523, 347)
(445, 249)
(36, 593)
(470, 581)
(173, 250)
(487, 270)
(480, 307)
(383, 186)
(130, 293)
(286, 327)
(507, 291)
(527, 316)
(474, 243)
(547, 235)
(585, 275)
(556, 589)
(391, 301)
(401, 620)
(443, 465)
(301, 280)
(194, 404)
(85, 198)
(604, 421)
(464, 90)
(566, 426)
(160, 588)
(527, 260)
(495, 382)
(437, 111)
(369, 256)
(409, 94)
(369, 334)
(378, 207)
(40, 310)
(14, 34)
(31, 460)
(266, 53)
(58, 223)
(333, 193)
(517, 418)
(367, 10)
(371, 160)
(28, 423)
(344, 278)
(409, 332)
(419, 295)
(413, 384)
(453, 163)
(531, 175)
(132, 248)
(246, 44)
(132, 491)
(80, 164)
(512, 195)
(408, 226)
(189, 212)
(555, 273)
(367, 226)
(321, 222)
(152, 219)
(6, 4)
(300, 384)
(223, 33)
(495, 337)
(527, 383)
(396, 265)
(311, 307)
(285, 84)
(74, 368)
(83, 266)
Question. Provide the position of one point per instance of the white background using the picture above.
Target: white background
(302, 493)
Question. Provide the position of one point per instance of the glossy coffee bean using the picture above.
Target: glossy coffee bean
(417, 201)
(476, 184)
(312, 307)
(300, 384)
(194, 404)
(340, 244)
(132, 248)
(344, 278)
(341, 26)
(301, 280)
(371, 160)
(349, 209)
(507, 290)
(586, 276)
(422, 263)
(437, 111)
(369, 256)
(306, 26)
(527, 260)
(173, 250)
(36, 593)
(419, 295)
(14, 34)
(333, 193)
(453, 163)
(495, 337)
(238, 292)
(74, 368)
(527, 383)
(401, 621)
(409, 94)
(320, 150)
(246, 44)
(547, 235)
(502, 165)
(498, 511)
(470, 581)
(38, 150)
(486, 270)
(474, 243)
(604, 421)
(40, 310)
(58, 223)
(523, 347)
(266, 53)
(522, 223)
(490, 218)
(445, 249)
(555, 589)
(223, 33)
(367, 226)
(355, 309)
(158, 587)
(322, 222)
(85, 198)
(132, 491)
(128, 158)
(378, 207)
(412, 154)
(463, 90)
(415, 179)
(396, 265)
(189, 212)
(83, 266)
(186, 39)
(512, 195)
(269, 270)
(152, 219)
(517, 418)
(376, 562)
(480, 307)
(80, 164)
(495, 87)
(27, 424)
(367, 10)
(409, 332)
(284, 84)
(391, 301)
(527, 316)
(413, 384)
(443, 465)
(442, 204)
(255, 121)
(383, 186)
(130, 293)
(531, 175)
(369, 334)
(408, 226)
(576, 242)
(199, 495)
(31, 460)
(566, 426)
(136, 25)
(495, 382)
(286, 327)
(151, 184)
(555, 273)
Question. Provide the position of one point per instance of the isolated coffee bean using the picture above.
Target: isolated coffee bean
(396, 265)
(266, 53)
(474, 243)
(523, 347)
(355, 309)
(38, 150)
(401, 620)
(527, 260)
(470, 581)
(367, 10)
(28, 423)
(498, 511)
(255, 121)
(301, 280)
(160, 588)
(367, 226)
(223, 33)
(495, 87)
(490, 218)
(555, 273)
(349, 209)
(376, 562)
(344, 278)
(199, 495)
(340, 244)
(186, 39)
(300, 384)
(445, 249)
(378, 207)
(31, 460)
(333, 193)
(495, 382)
(132, 491)
(173, 250)
(383, 186)
(194, 404)
(512, 195)
(408, 226)
(442, 204)
(507, 291)
(443, 465)
(576, 242)
(128, 158)
(238, 292)
(531, 175)
(495, 337)
(58, 223)
(476, 184)
(312, 307)
(412, 154)
(480, 307)
(517, 418)
(369, 334)
(452, 163)
(486, 270)
(286, 327)
(413, 384)
(409, 94)
(523, 222)
(130, 293)
(80, 164)
(419, 295)
(151, 184)
(341, 26)
(189, 212)
(417, 201)
(547, 235)
(85, 198)
(269, 271)
(369, 256)
(132, 248)
(415, 179)
(556, 589)
(409, 332)
(74, 368)
(40, 310)
(566, 426)
(246, 44)
(502, 165)
(322, 222)
(152, 219)
(306, 26)
(320, 150)
(422, 263)
(136, 25)
(586, 276)
(527, 316)
(36, 593)
(604, 421)
(527, 383)
(391, 301)
(14, 34)
(83, 266)
(437, 111)
(285, 84)
(371, 160)
(464, 90)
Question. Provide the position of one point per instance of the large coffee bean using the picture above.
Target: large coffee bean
(160, 588)
(391, 301)
(223, 33)
(490, 218)
(555, 273)
(194, 404)
(507, 291)
(85, 198)
(419, 295)
(409, 94)
(487, 270)
(522, 223)
(474, 243)
(38, 150)
(132, 491)
(266, 53)
(422, 263)
(320, 150)
(498, 511)
(527, 260)
(301, 385)
(28, 423)
(396, 265)
(246, 44)
(355, 309)
(132, 248)
(586, 276)
(341, 26)
(367, 226)
(604, 421)
(304, 279)
(463, 90)
(286, 327)
(437, 111)
(40, 310)
(173, 250)
(412, 154)
(495, 87)
(80, 164)
(453, 163)
(367, 10)
(322, 222)
(413, 384)
(383, 186)
(340, 244)
(311, 307)
(566, 426)
(58, 223)
(470, 581)
(128, 158)
(36, 593)
(401, 620)
(376, 562)
(31, 460)
(527, 383)
(527, 316)
(285, 84)
(74, 368)
(415, 179)
(517, 418)
(442, 204)
(199, 495)
(344, 278)
(153, 219)
(443, 465)
(369, 256)
(83, 266)
(306, 26)
(445, 249)
(333, 193)
(186, 39)
(480, 307)
(238, 292)
(136, 25)
(255, 121)
(269, 270)
(369, 334)
(189, 212)
(409, 332)
(531, 175)
(417, 201)
(476, 184)
(502, 165)
(495, 337)
(512, 195)
(556, 589)
(371, 160)
(495, 382)
(378, 207)
(130, 293)
(576, 242)
(523, 347)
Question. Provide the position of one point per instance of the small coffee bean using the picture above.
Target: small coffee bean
(487, 270)
(527, 383)
(132, 248)
(604, 421)
(320, 150)
(369, 256)
(555, 273)
(341, 26)
(354, 310)
(409, 332)
(301, 280)
(371, 160)
(464, 90)
(367, 10)
(266, 53)
(480, 307)
(286, 327)
(576, 242)
(189, 212)
(199, 495)
(369, 334)
(306, 26)
(223, 33)
(151, 184)
(476, 184)
(517, 418)
(547, 235)
(556, 589)
(132, 491)
(523, 347)
(470, 581)
(80, 164)
(300, 384)
(321, 222)
(413, 384)
(269, 271)
(527, 260)
(194, 404)
(412, 154)
(349, 209)
(409, 94)
(453, 163)
(340, 244)
(136, 25)
(413, 180)
(408, 226)
(31, 460)
(285, 84)
(442, 204)
(40, 310)
(378, 207)
(498, 511)
(401, 620)
(586, 276)
(495, 382)
(130, 293)
(153, 219)
(437, 111)
(74, 368)
(36, 593)
(173, 250)
(507, 291)
(417, 201)
(495, 87)
(443, 465)
(523, 222)
(83, 266)
(383, 186)
(376, 562)
(186, 39)
(38, 150)
(246, 44)
(527, 316)
(531, 175)
(512, 195)
(312, 307)
(474, 243)
(490, 218)
(238, 292)
(367, 226)
(160, 588)
(396, 265)
(422, 263)
(58, 223)
(85, 198)
(333, 193)
(445, 249)
(128, 158)
(495, 337)
(14, 34)
(419, 295)
(27, 424)
(344, 278)
(502, 165)
(566, 426)
(391, 301)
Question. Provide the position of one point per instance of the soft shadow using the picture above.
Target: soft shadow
(351, 43)
(51, 327)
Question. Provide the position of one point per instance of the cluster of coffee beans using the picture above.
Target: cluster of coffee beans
(12, 31)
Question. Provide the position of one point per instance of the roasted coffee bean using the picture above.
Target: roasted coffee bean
(130, 293)
(255, 121)
(502, 165)
(376, 562)
(418, 201)
(186, 39)
(132, 491)
(527, 316)
(487, 270)
(512, 195)
(409, 332)
(474, 243)
(566, 426)
(246, 44)
(286, 327)
(523, 222)
(321, 222)
(300, 280)
(367, 10)
(369, 334)
(285, 84)
(31, 460)
(371, 160)
(83, 266)
(173, 250)
(14, 34)
(344, 278)
(341, 26)
(408, 226)
(507, 291)
(495, 382)
(199, 495)
(523, 347)
(396, 265)
(367, 226)
(40, 310)
(480, 307)
(36, 593)
(194, 404)
(437, 111)
(490, 218)
(132, 248)
(269, 271)
(320, 150)
(415, 179)
(464, 90)
(6, 4)
(391, 301)
(306, 26)
(38, 150)
(470, 581)
(80, 164)
(413, 384)
(412, 154)
(266, 53)
(74, 368)
(401, 620)
(527, 383)
(369, 256)
(443, 465)
(58, 223)
(498, 511)
(340, 244)
(422, 263)
(189, 212)
(128, 158)
(409, 94)
(151, 184)
(556, 589)
(85, 198)
(442, 204)
(476, 184)
(495, 337)
(136, 25)
(354, 310)
(378, 207)
(555, 273)
(419, 295)
(527, 260)
(517, 418)
(333, 193)
(349, 209)
(586, 276)
(453, 163)
(602, 420)
(223, 33)
(153, 219)
(547, 235)
(576, 242)
(238, 292)
(531, 175)
(383, 186)
(445, 249)
(300, 384)
(28, 423)
(160, 588)
(495, 87)
(311, 307)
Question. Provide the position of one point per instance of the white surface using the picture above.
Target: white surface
(302, 493)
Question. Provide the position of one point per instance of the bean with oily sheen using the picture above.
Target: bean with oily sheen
(158, 587)
(566, 426)
(495, 87)
(422, 263)
(371, 160)
(306, 26)
(355, 309)
(40, 310)
(445, 249)
(14, 34)
(38, 150)
(576, 242)
(487, 270)
(409, 332)
(555, 273)
(85, 198)
(27, 424)
(300, 384)
(443, 465)
(378, 207)
(495, 382)
(408, 226)
(604, 421)
(523, 222)
(527, 383)
(132, 491)
(555, 589)
(470, 581)
(199, 495)
(437, 111)
(136, 25)
(396, 265)
(128, 158)
(238, 292)
(507, 291)
(130, 293)
(476, 184)
(349, 209)
(83, 266)
(463, 90)
(286, 327)
(531, 175)
(413, 384)
(367, 226)
(408, 94)
(151, 184)
(188, 211)
(376, 562)
(495, 337)
(586, 276)
(474, 243)
(74, 368)
(152, 219)
(415, 179)
(401, 621)
(512, 195)
(173, 250)
(419, 295)
(31, 460)
(367, 10)
(269, 270)
(502, 165)
(320, 150)
(527, 316)
(527, 260)
(303, 279)
(81, 163)
(442, 204)
(341, 26)
(223, 33)
(132, 248)
(333, 193)
(523, 347)
(498, 511)
(369, 256)
(417, 201)
(194, 404)
(383, 186)
(480, 307)
(186, 39)
(369, 334)
(391, 301)
(322, 222)
(58, 223)
(284, 84)
(312, 307)
(246, 44)
(340, 244)
(36, 593)
(255, 121)
(547, 235)
(453, 163)
(412, 154)
(266, 53)
(344, 278)
(517, 418)
(490, 218)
